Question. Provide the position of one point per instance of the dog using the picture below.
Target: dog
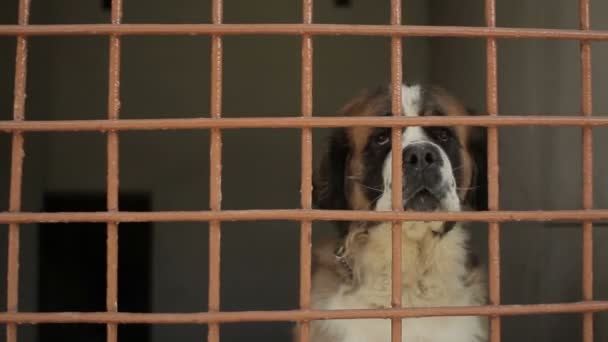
(444, 169)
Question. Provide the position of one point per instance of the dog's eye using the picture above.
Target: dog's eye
(382, 139)
(443, 135)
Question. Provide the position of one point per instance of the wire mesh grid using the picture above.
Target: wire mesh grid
(113, 125)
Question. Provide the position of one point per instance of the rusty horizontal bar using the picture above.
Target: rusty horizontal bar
(302, 29)
(296, 315)
(303, 215)
(295, 122)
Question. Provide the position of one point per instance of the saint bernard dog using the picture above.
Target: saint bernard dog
(444, 169)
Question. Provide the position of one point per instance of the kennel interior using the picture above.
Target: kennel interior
(163, 267)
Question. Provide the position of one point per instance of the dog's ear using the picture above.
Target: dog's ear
(329, 191)
(328, 182)
(477, 198)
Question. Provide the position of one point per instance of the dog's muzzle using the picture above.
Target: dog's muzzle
(423, 183)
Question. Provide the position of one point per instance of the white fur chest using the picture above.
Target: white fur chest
(436, 282)
(427, 329)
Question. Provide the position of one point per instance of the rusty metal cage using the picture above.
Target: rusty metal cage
(19, 127)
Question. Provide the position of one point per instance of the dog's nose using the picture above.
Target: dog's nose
(423, 183)
(421, 156)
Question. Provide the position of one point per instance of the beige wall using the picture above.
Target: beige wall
(540, 167)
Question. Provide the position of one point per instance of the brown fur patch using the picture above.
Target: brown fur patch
(368, 103)
(453, 107)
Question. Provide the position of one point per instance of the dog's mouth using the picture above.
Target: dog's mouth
(422, 200)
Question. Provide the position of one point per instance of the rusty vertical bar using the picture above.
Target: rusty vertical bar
(113, 173)
(493, 170)
(397, 173)
(306, 172)
(587, 169)
(17, 154)
(215, 172)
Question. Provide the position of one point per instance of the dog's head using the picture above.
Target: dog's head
(443, 167)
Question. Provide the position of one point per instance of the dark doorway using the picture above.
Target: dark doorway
(72, 273)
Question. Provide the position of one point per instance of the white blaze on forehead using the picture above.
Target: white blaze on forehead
(411, 100)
